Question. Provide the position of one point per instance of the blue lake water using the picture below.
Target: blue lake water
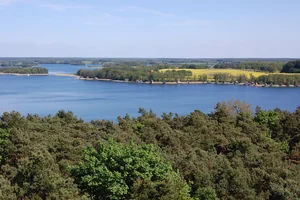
(63, 68)
(106, 100)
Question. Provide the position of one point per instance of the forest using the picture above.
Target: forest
(255, 66)
(291, 67)
(134, 73)
(231, 153)
(277, 79)
(25, 70)
(181, 66)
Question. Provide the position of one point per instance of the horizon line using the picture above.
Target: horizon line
(150, 57)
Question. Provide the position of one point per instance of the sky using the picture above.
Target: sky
(150, 28)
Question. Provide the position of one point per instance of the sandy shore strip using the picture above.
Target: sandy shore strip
(71, 75)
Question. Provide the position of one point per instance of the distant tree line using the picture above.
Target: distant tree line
(291, 67)
(194, 66)
(231, 153)
(135, 73)
(69, 61)
(17, 64)
(180, 66)
(125, 63)
(27, 70)
(270, 65)
(255, 66)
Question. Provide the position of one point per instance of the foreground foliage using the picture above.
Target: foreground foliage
(114, 171)
(231, 153)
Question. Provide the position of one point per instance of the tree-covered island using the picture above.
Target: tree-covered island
(25, 70)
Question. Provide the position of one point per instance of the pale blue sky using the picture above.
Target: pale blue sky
(150, 28)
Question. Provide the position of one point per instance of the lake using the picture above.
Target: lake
(63, 68)
(107, 100)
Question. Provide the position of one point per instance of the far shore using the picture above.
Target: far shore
(158, 83)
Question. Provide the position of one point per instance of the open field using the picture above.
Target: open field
(235, 72)
(210, 72)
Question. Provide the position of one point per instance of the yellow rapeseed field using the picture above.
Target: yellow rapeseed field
(210, 72)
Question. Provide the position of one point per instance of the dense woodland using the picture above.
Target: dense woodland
(134, 73)
(181, 66)
(26, 70)
(292, 67)
(255, 66)
(277, 79)
(231, 153)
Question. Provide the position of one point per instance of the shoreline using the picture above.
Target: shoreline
(70, 75)
(157, 83)
(189, 83)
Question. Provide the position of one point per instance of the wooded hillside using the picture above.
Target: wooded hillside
(231, 153)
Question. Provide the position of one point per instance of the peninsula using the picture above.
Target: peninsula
(266, 75)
